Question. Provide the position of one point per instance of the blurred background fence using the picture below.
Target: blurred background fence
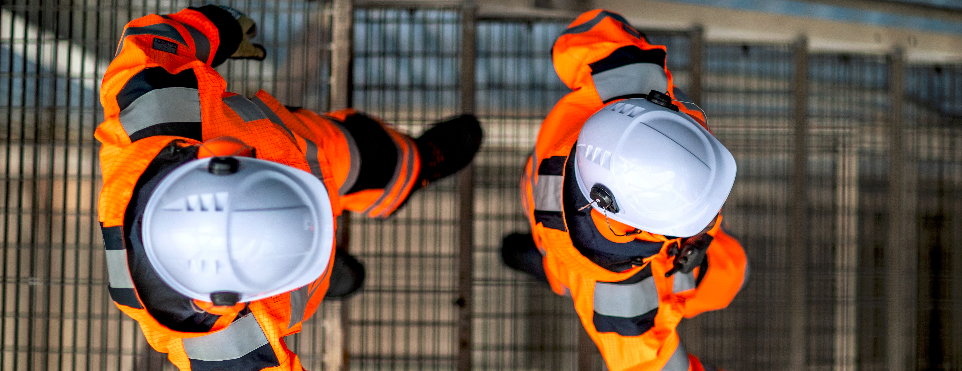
(848, 199)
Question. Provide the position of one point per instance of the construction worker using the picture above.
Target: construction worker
(218, 210)
(623, 192)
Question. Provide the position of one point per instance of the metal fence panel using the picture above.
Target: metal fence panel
(748, 97)
(406, 71)
(933, 114)
(874, 286)
(56, 313)
(521, 324)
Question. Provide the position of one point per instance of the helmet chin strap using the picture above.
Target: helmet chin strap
(605, 212)
(696, 106)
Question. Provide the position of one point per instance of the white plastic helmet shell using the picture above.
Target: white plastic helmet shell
(668, 175)
(261, 231)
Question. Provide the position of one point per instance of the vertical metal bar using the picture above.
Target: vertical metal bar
(696, 38)
(846, 251)
(34, 217)
(466, 193)
(9, 31)
(65, 245)
(341, 29)
(954, 94)
(898, 299)
(691, 330)
(586, 350)
(342, 25)
(79, 226)
(47, 251)
(798, 253)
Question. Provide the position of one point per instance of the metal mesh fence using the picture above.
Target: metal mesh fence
(851, 235)
(406, 68)
(748, 90)
(933, 109)
(56, 313)
(520, 324)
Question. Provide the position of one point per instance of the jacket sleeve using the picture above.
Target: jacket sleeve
(601, 57)
(151, 86)
(722, 275)
(150, 90)
(375, 167)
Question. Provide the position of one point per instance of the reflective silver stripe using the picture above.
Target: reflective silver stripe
(748, 269)
(299, 299)
(160, 29)
(394, 179)
(241, 337)
(635, 78)
(678, 360)
(311, 157)
(626, 301)
(533, 171)
(547, 192)
(597, 19)
(176, 104)
(355, 169)
(409, 176)
(201, 43)
(390, 184)
(271, 115)
(117, 270)
(683, 281)
(244, 108)
(682, 97)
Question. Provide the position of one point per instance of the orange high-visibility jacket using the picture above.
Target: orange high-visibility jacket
(631, 311)
(161, 97)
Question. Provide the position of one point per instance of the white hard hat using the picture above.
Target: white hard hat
(238, 226)
(653, 168)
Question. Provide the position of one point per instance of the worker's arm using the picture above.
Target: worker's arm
(720, 276)
(152, 110)
(151, 90)
(602, 58)
(151, 86)
(374, 166)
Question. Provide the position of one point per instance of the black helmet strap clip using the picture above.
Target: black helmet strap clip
(602, 196)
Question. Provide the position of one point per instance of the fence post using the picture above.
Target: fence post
(586, 350)
(465, 299)
(846, 249)
(696, 66)
(899, 296)
(342, 26)
(692, 330)
(798, 252)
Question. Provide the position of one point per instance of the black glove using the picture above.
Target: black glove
(246, 49)
(690, 254)
(235, 30)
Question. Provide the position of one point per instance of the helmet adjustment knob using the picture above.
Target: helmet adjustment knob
(224, 298)
(661, 99)
(222, 165)
(603, 196)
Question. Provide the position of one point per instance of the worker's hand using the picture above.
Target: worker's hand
(246, 49)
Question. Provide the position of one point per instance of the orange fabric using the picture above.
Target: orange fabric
(219, 309)
(124, 161)
(695, 363)
(606, 226)
(572, 54)
(569, 272)
(381, 203)
(405, 177)
(725, 276)
(224, 146)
